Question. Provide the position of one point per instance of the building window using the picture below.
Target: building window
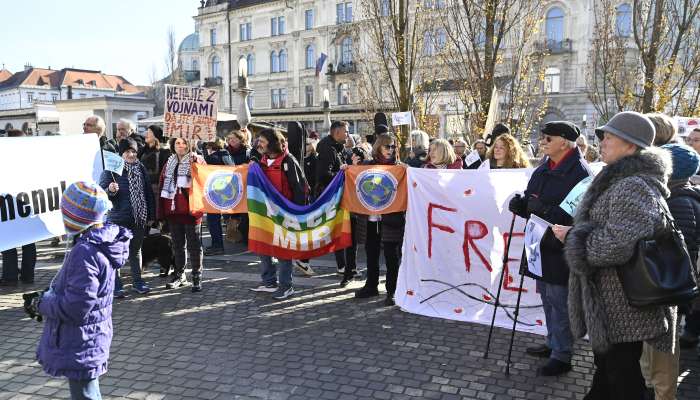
(283, 98)
(277, 26)
(385, 8)
(250, 61)
(246, 31)
(440, 39)
(83, 95)
(554, 26)
(274, 62)
(310, 56)
(343, 94)
(623, 20)
(552, 78)
(30, 97)
(343, 13)
(273, 26)
(283, 60)
(275, 98)
(309, 96)
(309, 19)
(346, 51)
(195, 65)
(212, 37)
(428, 44)
(281, 25)
(215, 67)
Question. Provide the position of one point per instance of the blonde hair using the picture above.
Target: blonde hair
(515, 156)
(444, 153)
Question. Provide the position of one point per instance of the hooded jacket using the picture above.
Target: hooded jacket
(77, 310)
(330, 157)
(622, 205)
(684, 204)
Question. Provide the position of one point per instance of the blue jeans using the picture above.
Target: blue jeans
(556, 313)
(84, 389)
(269, 272)
(217, 234)
(134, 258)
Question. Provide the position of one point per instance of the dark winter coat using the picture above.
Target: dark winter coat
(219, 157)
(331, 156)
(392, 225)
(154, 160)
(419, 159)
(551, 187)
(108, 144)
(77, 311)
(310, 169)
(122, 212)
(180, 213)
(684, 204)
(622, 205)
(239, 156)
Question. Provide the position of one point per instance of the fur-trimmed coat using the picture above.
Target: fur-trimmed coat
(622, 206)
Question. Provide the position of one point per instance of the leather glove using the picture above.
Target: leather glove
(537, 207)
(517, 205)
(31, 305)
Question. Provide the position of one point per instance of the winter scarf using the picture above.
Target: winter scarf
(622, 206)
(134, 173)
(171, 182)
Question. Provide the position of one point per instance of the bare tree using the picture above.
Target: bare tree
(172, 62)
(396, 73)
(646, 58)
(494, 44)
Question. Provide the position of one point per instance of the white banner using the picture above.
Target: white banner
(401, 118)
(36, 170)
(456, 231)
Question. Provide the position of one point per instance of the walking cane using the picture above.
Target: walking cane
(515, 321)
(500, 286)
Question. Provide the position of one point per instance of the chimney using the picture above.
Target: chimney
(27, 66)
(70, 92)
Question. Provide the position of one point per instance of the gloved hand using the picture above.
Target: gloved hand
(517, 205)
(31, 304)
(537, 207)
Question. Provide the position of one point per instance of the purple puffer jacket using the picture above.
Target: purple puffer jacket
(78, 311)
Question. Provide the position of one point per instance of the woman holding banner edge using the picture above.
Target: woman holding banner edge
(385, 230)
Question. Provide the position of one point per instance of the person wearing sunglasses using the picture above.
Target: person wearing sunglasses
(562, 168)
(377, 231)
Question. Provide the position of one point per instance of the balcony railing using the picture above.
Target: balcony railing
(191, 76)
(553, 46)
(342, 68)
(213, 81)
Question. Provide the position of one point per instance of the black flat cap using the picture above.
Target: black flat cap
(565, 129)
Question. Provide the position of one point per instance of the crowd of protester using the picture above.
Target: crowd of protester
(647, 167)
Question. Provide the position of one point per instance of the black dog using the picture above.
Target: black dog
(158, 247)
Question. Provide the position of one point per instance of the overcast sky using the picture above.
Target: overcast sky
(120, 37)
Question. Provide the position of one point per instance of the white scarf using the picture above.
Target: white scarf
(171, 182)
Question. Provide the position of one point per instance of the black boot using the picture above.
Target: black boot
(366, 292)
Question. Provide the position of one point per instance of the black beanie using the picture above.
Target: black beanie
(126, 144)
(157, 132)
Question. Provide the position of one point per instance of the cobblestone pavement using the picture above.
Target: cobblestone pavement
(230, 343)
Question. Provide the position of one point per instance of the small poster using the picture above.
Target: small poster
(534, 231)
(472, 158)
(190, 112)
(401, 118)
(113, 162)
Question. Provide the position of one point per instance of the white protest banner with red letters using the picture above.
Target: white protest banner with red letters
(456, 232)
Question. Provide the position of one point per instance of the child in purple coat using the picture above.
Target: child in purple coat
(77, 307)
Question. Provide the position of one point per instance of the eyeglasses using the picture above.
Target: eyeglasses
(547, 139)
(389, 146)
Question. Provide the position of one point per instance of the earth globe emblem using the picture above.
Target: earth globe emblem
(223, 189)
(376, 189)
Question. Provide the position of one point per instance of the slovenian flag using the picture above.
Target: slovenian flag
(320, 62)
(280, 228)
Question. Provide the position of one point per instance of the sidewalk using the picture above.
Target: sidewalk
(229, 343)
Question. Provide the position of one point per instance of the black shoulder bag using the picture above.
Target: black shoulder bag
(660, 273)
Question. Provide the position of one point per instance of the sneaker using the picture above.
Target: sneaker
(270, 288)
(120, 294)
(347, 279)
(177, 281)
(366, 292)
(141, 288)
(341, 270)
(554, 367)
(304, 267)
(213, 251)
(282, 293)
(196, 283)
(164, 271)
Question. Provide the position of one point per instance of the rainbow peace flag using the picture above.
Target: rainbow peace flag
(282, 229)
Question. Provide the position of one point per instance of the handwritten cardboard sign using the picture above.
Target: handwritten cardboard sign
(190, 112)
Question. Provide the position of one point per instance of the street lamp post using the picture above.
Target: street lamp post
(327, 111)
(243, 91)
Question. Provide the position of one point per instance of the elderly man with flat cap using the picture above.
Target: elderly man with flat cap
(549, 185)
